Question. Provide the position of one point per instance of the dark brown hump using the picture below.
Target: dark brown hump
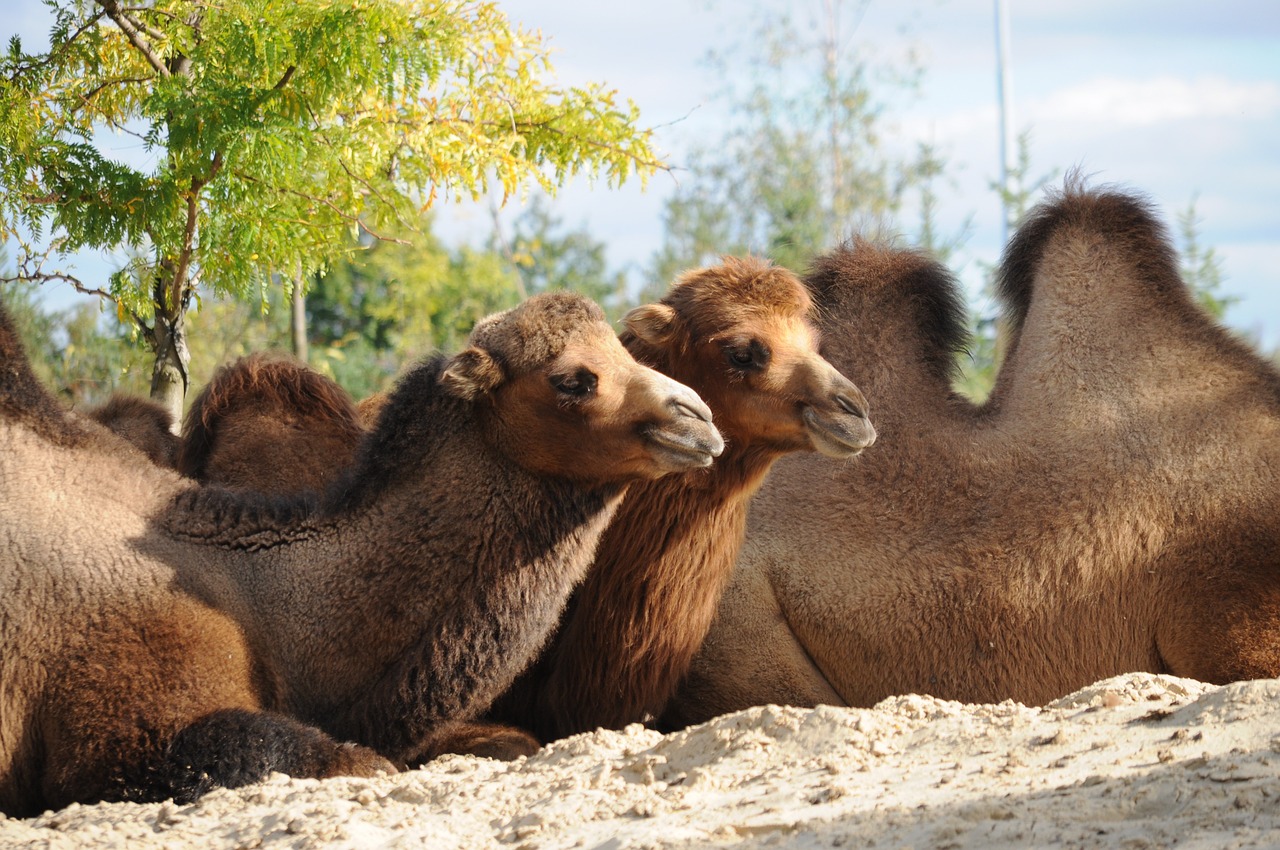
(146, 424)
(889, 298)
(264, 382)
(1127, 220)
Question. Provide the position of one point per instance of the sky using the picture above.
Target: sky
(1178, 100)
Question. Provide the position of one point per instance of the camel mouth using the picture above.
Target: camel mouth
(843, 435)
(683, 450)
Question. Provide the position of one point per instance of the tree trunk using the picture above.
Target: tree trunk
(169, 374)
(298, 323)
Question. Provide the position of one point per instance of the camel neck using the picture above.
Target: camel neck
(647, 602)
(421, 586)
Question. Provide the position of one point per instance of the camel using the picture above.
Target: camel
(740, 334)
(143, 423)
(1112, 508)
(270, 424)
(369, 407)
(159, 637)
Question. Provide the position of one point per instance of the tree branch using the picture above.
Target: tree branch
(37, 276)
(112, 8)
(57, 50)
(151, 31)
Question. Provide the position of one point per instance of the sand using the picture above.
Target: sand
(1135, 761)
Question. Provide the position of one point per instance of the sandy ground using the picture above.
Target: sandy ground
(1136, 761)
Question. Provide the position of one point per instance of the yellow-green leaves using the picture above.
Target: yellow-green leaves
(276, 125)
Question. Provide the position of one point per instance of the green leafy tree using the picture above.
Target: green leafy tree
(272, 129)
(393, 300)
(549, 256)
(801, 163)
(979, 365)
(1201, 266)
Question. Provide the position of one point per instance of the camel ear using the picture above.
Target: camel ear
(470, 374)
(653, 323)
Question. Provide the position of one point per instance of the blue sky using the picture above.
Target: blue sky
(1180, 100)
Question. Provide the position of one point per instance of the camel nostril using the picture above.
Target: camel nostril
(683, 408)
(850, 406)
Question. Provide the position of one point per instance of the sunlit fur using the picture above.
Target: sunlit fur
(159, 637)
(269, 424)
(648, 600)
(1114, 507)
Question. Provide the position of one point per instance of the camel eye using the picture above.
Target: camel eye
(753, 355)
(577, 385)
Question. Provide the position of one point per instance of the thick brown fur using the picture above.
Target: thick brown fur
(271, 424)
(1114, 507)
(632, 628)
(145, 424)
(162, 637)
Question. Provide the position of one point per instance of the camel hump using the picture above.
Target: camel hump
(1124, 221)
(272, 384)
(144, 423)
(909, 294)
(23, 398)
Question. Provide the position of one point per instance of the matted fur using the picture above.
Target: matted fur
(1114, 507)
(161, 637)
(271, 424)
(632, 627)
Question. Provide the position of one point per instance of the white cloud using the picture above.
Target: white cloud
(1143, 103)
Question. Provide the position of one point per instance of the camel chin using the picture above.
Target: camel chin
(841, 436)
(680, 449)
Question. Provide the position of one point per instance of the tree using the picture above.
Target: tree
(548, 256)
(801, 163)
(393, 299)
(272, 131)
(1201, 267)
(987, 340)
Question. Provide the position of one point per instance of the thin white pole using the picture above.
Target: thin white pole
(1004, 90)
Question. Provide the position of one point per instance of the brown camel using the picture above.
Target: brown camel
(1113, 508)
(370, 407)
(159, 638)
(269, 424)
(143, 423)
(740, 333)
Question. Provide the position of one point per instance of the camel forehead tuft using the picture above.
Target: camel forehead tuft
(540, 328)
(737, 290)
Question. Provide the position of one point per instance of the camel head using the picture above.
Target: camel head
(740, 333)
(558, 393)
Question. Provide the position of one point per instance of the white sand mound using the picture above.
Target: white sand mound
(1132, 762)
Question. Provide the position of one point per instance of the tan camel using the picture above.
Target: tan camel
(269, 424)
(1113, 508)
(740, 334)
(159, 638)
(370, 407)
(143, 423)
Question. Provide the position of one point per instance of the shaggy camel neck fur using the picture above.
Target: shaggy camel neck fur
(1113, 508)
(269, 424)
(167, 638)
(740, 334)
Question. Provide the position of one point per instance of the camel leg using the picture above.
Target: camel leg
(235, 747)
(227, 748)
(489, 740)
